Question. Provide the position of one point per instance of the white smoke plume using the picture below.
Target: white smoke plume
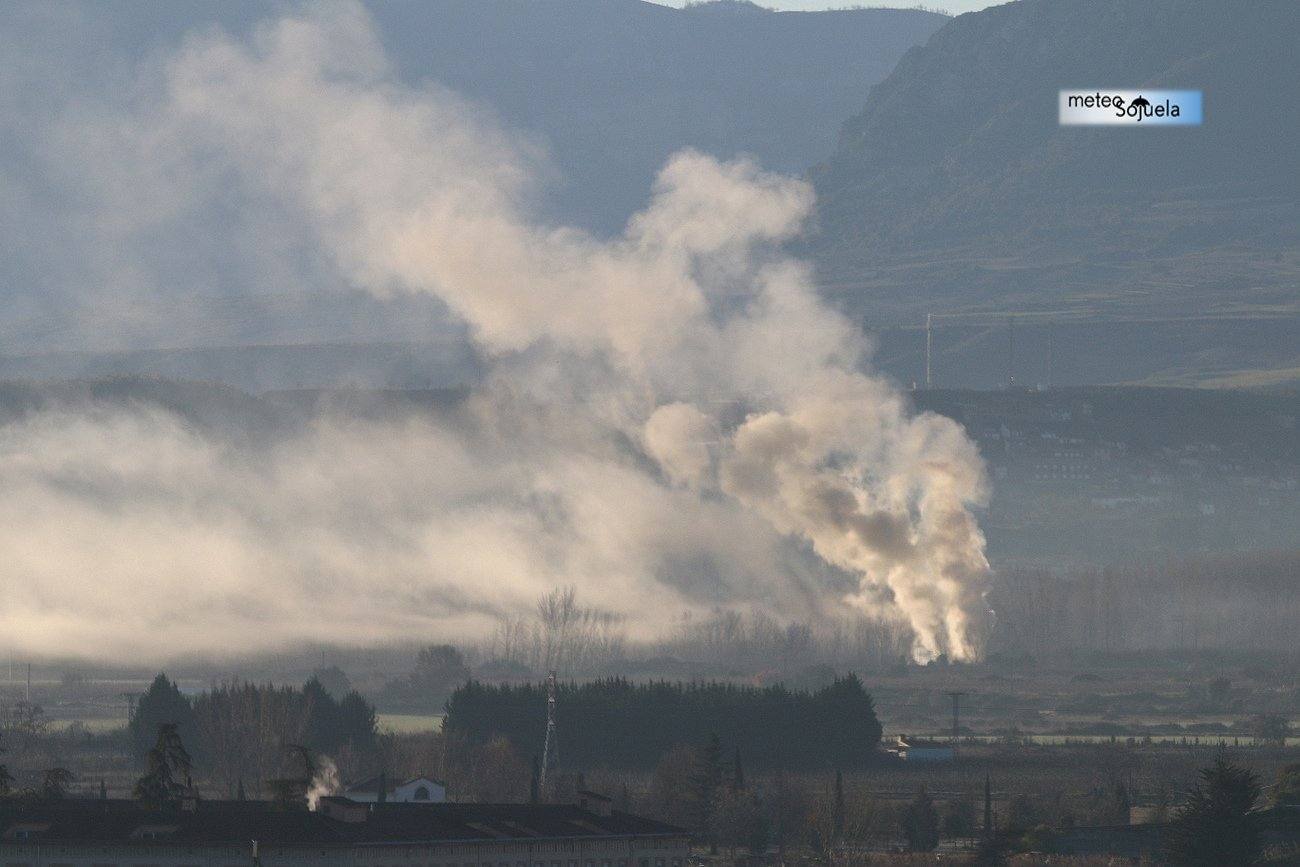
(664, 413)
(324, 782)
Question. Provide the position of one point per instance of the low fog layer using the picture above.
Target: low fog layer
(670, 421)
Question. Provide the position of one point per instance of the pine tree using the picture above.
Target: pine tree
(6, 779)
(54, 785)
(988, 807)
(1216, 825)
(921, 823)
(738, 774)
(162, 703)
(705, 782)
(167, 768)
(324, 732)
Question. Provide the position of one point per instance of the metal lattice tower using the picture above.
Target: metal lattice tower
(551, 747)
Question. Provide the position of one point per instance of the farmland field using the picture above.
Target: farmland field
(410, 723)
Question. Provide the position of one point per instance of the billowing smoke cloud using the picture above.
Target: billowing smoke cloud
(673, 396)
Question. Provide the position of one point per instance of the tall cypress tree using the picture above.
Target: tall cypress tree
(705, 781)
(988, 806)
(921, 823)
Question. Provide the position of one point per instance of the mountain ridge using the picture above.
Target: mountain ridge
(956, 190)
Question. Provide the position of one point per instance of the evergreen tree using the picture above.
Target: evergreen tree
(334, 680)
(535, 783)
(1216, 826)
(167, 769)
(1287, 791)
(706, 780)
(959, 819)
(54, 785)
(988, 807)
(921, 823)
(1122, 805)
(357, 724)
(624, 725)
(161, 704)
(6, 779)
(737, 773)
(324, 733)
(291, 790)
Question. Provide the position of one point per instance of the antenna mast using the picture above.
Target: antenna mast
(551, 747)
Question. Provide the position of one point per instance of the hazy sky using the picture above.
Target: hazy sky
(672, 422)
(954, 6)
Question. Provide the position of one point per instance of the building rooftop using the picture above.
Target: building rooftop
(237, 822)
(371, 785)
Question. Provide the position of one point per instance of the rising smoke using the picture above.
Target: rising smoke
(671, 420)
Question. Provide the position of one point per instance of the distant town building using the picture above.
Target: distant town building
(420, 790)
(108, 833)
(911, 749)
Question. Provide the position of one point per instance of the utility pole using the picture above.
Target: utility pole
(928, 343)
(1011, 352)
(956, 733)
(956, 715)
(1049, 355)
(551, 746)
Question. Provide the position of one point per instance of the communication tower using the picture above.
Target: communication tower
(551, 748)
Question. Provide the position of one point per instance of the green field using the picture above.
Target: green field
(410, 723)
(396, 723)
(95, 725)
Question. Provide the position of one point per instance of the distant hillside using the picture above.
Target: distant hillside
(610, 87)
(955, 189)
(615, 86)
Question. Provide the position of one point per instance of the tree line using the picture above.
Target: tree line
(243, 736)
(617, 723)
(1239, 601)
